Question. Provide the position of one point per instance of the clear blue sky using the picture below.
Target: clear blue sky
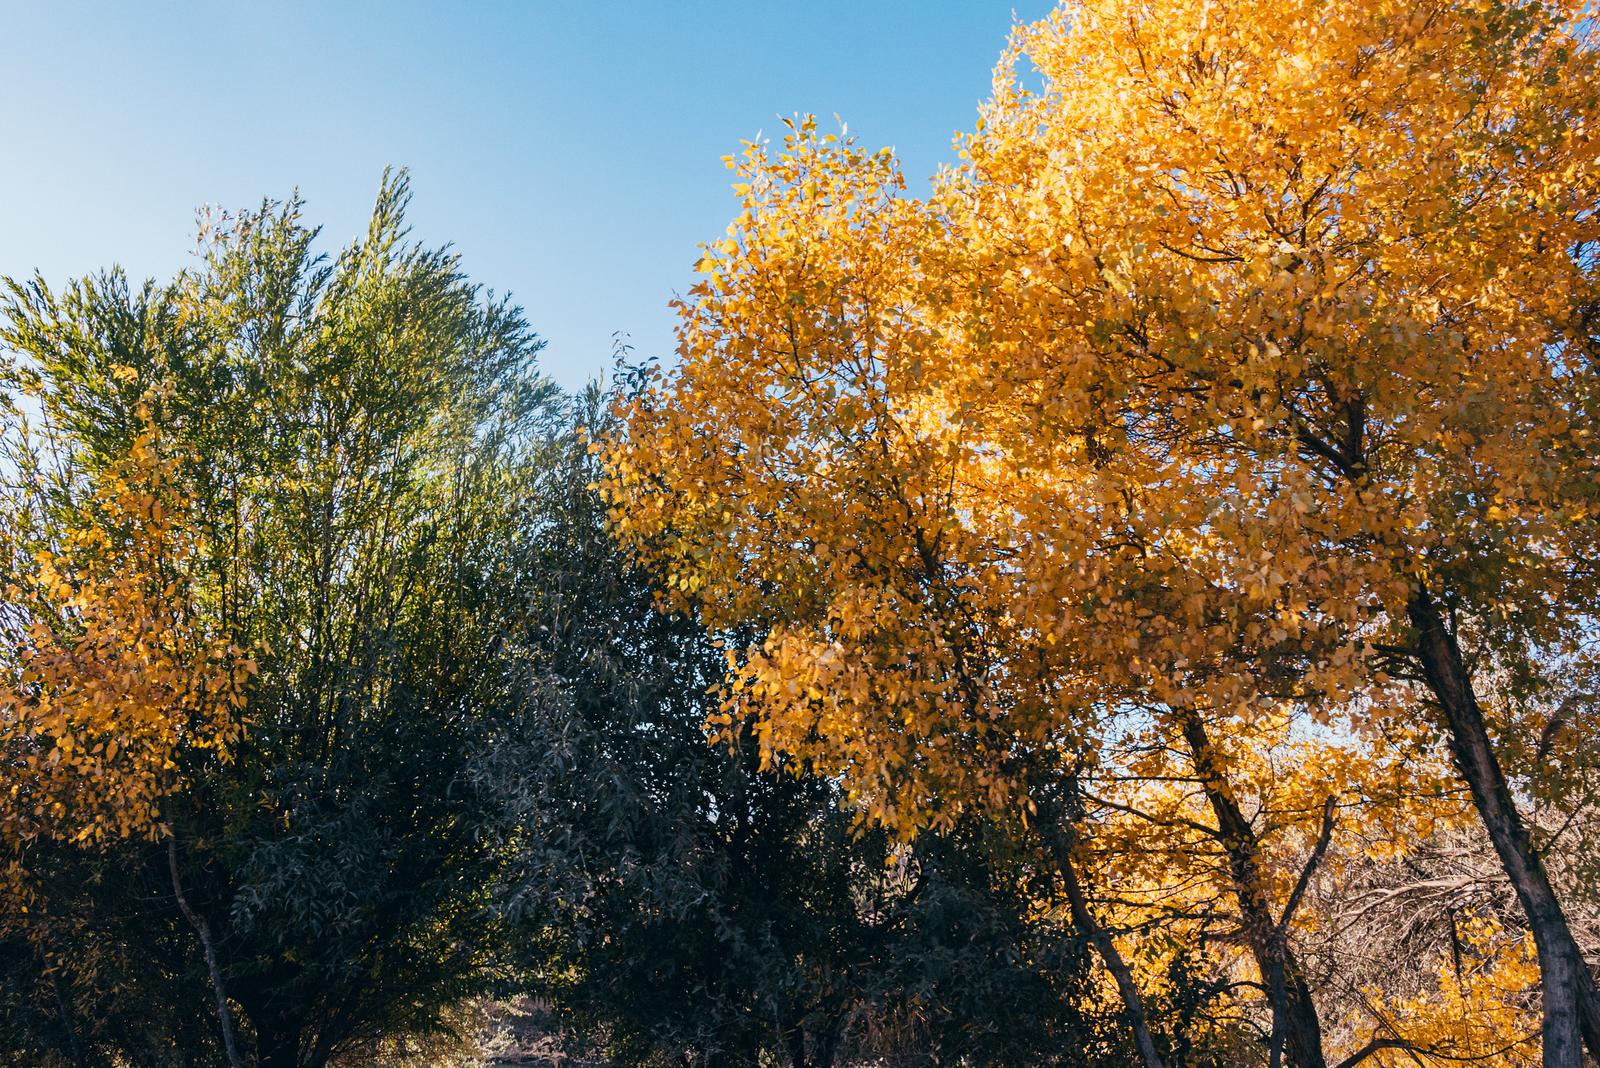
(570, 150)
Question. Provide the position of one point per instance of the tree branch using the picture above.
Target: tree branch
(1315, 859)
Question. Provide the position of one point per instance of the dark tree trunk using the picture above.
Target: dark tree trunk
(1132, 1000)
(826, 1043)
(1294, 1014)
(795, 1039)
(213, 968)
(64, 1007)
(814, 1048)
(1571, 1006)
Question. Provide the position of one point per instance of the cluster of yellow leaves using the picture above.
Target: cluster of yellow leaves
(1153, 838)
(1477, 1009)
(1262, 234)
(113, 679)
(787, 481)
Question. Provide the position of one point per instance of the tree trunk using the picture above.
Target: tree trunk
(203, 930)
(827, 1043)
(1571, 1006)
(795, 1039)
(64, 1007)
(1294, 1013)
(1132, 1001)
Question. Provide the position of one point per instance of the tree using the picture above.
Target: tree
(1351, 292)
(353, 438)
(1244, 366)
(792, 476)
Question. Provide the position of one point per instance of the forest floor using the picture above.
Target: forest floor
(526, 1037)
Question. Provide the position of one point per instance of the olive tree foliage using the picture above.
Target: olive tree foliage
(354, 435)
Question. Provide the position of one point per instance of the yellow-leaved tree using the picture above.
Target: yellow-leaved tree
(113, 683)
(1329, 268)
(112, 679)
(1243, 371)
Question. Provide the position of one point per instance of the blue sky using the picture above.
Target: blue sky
(570, 150)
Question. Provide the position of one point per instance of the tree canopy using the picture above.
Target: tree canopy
(1239, 379)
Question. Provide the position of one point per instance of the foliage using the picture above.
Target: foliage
(474, 760)
(1135, 604)
(685, 905)
(113, 677)
(351, 437)
(1242, 373)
